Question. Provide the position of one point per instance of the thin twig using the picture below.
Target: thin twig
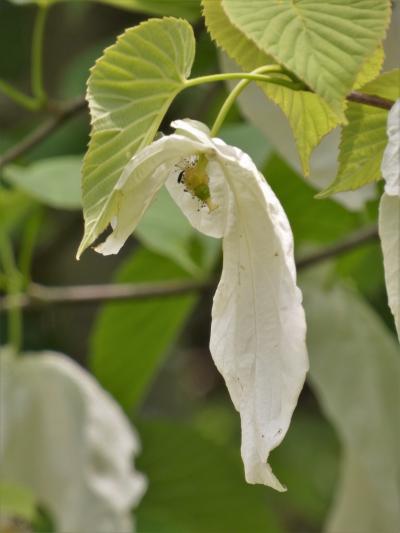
(353, 241)
(40, 295)
(70, 110)
(371, 100)
(43, 131)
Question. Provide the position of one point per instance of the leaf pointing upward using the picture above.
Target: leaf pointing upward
(129, 92)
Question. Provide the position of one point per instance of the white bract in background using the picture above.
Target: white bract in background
(67, 441)
(258, 324)
(389, 213)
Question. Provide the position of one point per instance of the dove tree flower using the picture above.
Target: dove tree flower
(68, 442)
(389, 213)
(258, 324)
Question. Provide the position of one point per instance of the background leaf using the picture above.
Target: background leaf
(249, 139)
(196, 486)
(189, 9)
(311, 221)
(164, 230)
(324, 43)
(130, 339)
(54, 182)
(14, 206)
(355, 372)
(364, 138)
(16, 501)
(129, 91)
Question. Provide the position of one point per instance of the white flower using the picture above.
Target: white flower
(258, 325)
(67, 440)
(389, 213)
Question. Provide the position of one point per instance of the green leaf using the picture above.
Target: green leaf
(324, 43)
(14, 207)
(297, 197)
(249, 139)
(129, 91)
(189, 9)
(364, 138)
(309, 115)
(355, 372)
(16, 502)
(54, 182)
(308, 461)
(164, 230)
(371, 68)
(130, 339)
(196, 485)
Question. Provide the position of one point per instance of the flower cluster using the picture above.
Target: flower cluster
(258, 324)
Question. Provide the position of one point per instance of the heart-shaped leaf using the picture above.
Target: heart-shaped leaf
(129, 91)
(324, 43)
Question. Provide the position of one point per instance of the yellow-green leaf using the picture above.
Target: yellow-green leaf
(309, 115)
(364, 138)
(324, 43)
(129, 91)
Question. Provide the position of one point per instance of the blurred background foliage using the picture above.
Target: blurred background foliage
(153, 355)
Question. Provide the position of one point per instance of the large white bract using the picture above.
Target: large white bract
(68, 442)
(389, 213)
(258, 324)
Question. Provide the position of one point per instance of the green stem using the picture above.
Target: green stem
(251, 76)
(30, 103)
(27, 246)
(37, 54)
(35, 102)
(13, 288)
(240, 87)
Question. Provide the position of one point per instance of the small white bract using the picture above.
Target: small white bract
(389, 213)
(258, 324)
(68, 442)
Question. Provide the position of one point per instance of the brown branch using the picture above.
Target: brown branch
(356, 239)
(43, 131)
(371, 100)
(40, 295)
(75, 107)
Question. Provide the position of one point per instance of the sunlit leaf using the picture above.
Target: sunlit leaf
(54, 182)
(324, 43)
(364, 138)
(129, 91)
(371, 68)
(309, 116)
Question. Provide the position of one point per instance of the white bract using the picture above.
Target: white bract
(68, 442)
(389, 213)
(258, 325)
